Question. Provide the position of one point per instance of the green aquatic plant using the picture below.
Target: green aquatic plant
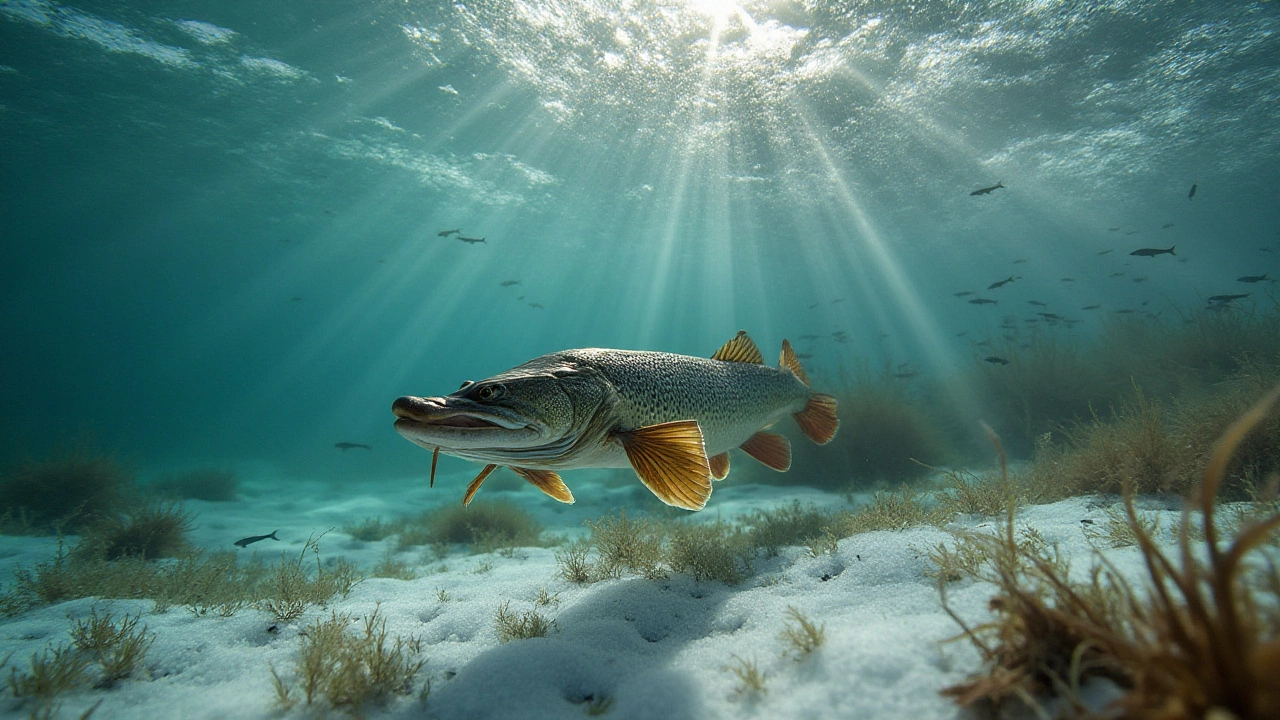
(147, 532)
(750, 678)
(292, 587)
(211, 484)
(389, 567)
(520, 626)
(1201, 638)
(800, 633)
(484, 526)
(371, 529)
(787, 525)
(627, 545)
(350, 670)
(52, 672)
(117, 647)
(896, 510)
(64, 492)
(709, 551)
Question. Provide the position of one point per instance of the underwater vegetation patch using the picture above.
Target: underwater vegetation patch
(211, 484)
(1200, 638)
(483, 526)
(520, 626)
(64, 492)
(350, 670)
(147, 532)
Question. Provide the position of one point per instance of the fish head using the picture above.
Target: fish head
(525, 415)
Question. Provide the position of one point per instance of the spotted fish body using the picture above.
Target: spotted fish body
(673, 418)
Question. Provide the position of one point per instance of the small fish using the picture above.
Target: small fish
(963, 293)
(1166, 226)
(962, 333)
(470, 241)
(1051, 316)
(1152, 252)
(1001, 283)
(982, 301)
(1019, 261)
(1037, 303)
(246, 542)
(509, 283)
(994, 360)
(1090, 307)
(671, 418)
(1140, 279)
(837, 301)
(536, 306)
(1107, 251)
(814, 305)
(296, 298)
(1193, 191)
(1228, 298)
(988, 190)
(1118, 273)
(1067, 280)
(1114, 229)
(1252, 278)
(1264, 249)
(1133, 232)
(345, 446)
(447, 233)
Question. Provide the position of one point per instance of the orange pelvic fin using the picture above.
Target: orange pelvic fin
(818, 419)
(475, 484)
(546, 481)
(771, 449)
(671, 460)
(719, 465)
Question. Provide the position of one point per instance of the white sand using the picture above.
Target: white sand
(656, 649)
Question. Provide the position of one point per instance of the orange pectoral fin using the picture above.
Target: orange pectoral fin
(769, 448)
(719, 466)
(546, 481)
(475, 484)
(671, 460)
(818, 419)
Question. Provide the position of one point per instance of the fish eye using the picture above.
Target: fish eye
(490, 392)
(466, 383)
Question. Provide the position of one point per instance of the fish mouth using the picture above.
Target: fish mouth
(438, 422)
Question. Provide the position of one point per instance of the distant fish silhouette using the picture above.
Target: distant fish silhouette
(1152, 252)
(982, 301)
(1019, 261)
(1037, 303)
(447, 233)
(1090, 307)
(509, 283)
(1067, 280)
(470, 241)
(995, 360)
(1001, 283)
(345, 446)
(1166, 226)
(1252, 278)
(963, 293)
(988, 190)
(1220, 299)
(536, 306)
(246, 542)
(1107, 252)
(1193, 191)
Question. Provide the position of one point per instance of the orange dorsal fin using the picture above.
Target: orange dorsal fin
(671, 461)
(818, 419)
(789, 361)
(771, 449)
(719, 465)
(546, 481)
(475, 484)
(739, 349)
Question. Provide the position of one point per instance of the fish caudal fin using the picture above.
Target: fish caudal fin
(740, 349)
(475, 484)
(771, 449)
(818, 420)
(546, 481)
(789, 361)
(719, 465)
(671, 460)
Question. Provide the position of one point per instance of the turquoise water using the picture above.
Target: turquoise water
(221, 219)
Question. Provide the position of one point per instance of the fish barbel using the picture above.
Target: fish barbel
(672, 418)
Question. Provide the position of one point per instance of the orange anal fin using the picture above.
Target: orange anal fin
(435, 455)
(546, 481)
(818, 419)
(671, 460)
(769, 448)
(740, 349)
(789, 361)
(475, 484)
(719, 465)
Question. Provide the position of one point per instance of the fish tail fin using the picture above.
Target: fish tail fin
(818, 420)
(1171, 250)
(273, 536)
(789, 361)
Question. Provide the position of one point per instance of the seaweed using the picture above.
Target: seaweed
(520, 626)
(116, 647)
(64, 492)
(292, 587)
(1201, 636)
(148, 532)
(711, 551)
(627, 545)
(750, 678)
(801, 634)
(484, 526)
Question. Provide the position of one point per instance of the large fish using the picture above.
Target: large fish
(673, 418)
